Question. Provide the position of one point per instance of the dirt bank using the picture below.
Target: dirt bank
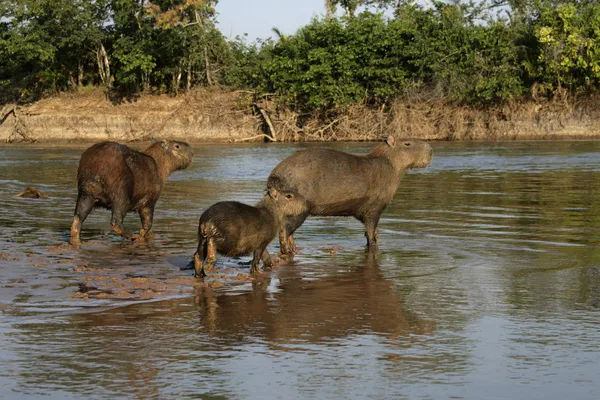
(215, 115)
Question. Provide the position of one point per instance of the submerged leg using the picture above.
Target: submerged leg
(84, 206)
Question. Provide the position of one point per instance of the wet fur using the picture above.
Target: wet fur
(335, 183)
(234, 229)
(118, 178)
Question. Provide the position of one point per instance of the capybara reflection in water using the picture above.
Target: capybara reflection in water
(118, 178)
(235, 229)
(342, 184)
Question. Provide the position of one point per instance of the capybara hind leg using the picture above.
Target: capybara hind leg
(85, 204)
(211, 254)
(199, 257)
(255, 260)
(117, 224)
(146, 215)
(266, 260)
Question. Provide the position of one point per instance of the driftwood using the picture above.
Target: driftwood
(19, 131)
(267, 121)
(262, 135)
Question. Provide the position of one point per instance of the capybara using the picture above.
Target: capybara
(235, 229)
(118, 178)
(342, 184)
(32, 193)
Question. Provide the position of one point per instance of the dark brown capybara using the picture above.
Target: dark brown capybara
(118, 178)
(341, 184)
(235, 229)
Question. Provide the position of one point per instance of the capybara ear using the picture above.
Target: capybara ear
(164, 143)
(390, 141)
(273, 193)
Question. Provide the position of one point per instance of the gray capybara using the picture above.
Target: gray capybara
(234, 229)
(121, 179)
(341, 184)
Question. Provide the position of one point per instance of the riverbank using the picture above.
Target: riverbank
(215, 115)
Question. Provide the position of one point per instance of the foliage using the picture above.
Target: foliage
(484, 53)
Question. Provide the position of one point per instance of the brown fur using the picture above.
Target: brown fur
(235, 229)
(32, 193)
(342, 184)
(121, 179)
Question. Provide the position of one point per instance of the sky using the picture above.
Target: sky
(258, 17)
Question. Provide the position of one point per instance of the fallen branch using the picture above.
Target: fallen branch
(267, 120)
(262, 135)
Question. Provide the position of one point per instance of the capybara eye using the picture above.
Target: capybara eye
(407, 144)
(288, 196)
(176, 146)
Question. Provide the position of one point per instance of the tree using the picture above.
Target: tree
(48, 45)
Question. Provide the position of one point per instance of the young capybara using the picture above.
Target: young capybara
(342, 184)
(235, 229)
(118, 178)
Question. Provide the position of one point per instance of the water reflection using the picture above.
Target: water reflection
(312, 310)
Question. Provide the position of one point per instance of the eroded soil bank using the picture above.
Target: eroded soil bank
(218, 115)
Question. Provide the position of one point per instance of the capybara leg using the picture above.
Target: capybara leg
(292, 244)
(117, 224)
(255, 260)
(199, 258)
(371, 231)
(210, 254)
(286, 239)
(84, 206)
(266, 259)
(283, 242)
(146, 215)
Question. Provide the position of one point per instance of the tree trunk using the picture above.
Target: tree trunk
(103, 66)
(79, 74)
(209, 81)
(328, 9)
(176, 81)
(188, 79)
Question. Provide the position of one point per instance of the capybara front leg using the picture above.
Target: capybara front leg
(292, 244)
(116, 223)
(84, 206)
(283, 241)
(266, 260)
(371, 232)
(146, 215)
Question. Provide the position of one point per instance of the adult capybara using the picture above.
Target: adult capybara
(235, 229)
(337, 183)
(118, 178)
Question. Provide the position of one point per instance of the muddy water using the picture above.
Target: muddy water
(487, 285)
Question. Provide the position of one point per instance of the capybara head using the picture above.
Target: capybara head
(285, 204)
(170, 155)
(405, 153)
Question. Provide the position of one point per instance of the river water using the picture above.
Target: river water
(486, 285)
